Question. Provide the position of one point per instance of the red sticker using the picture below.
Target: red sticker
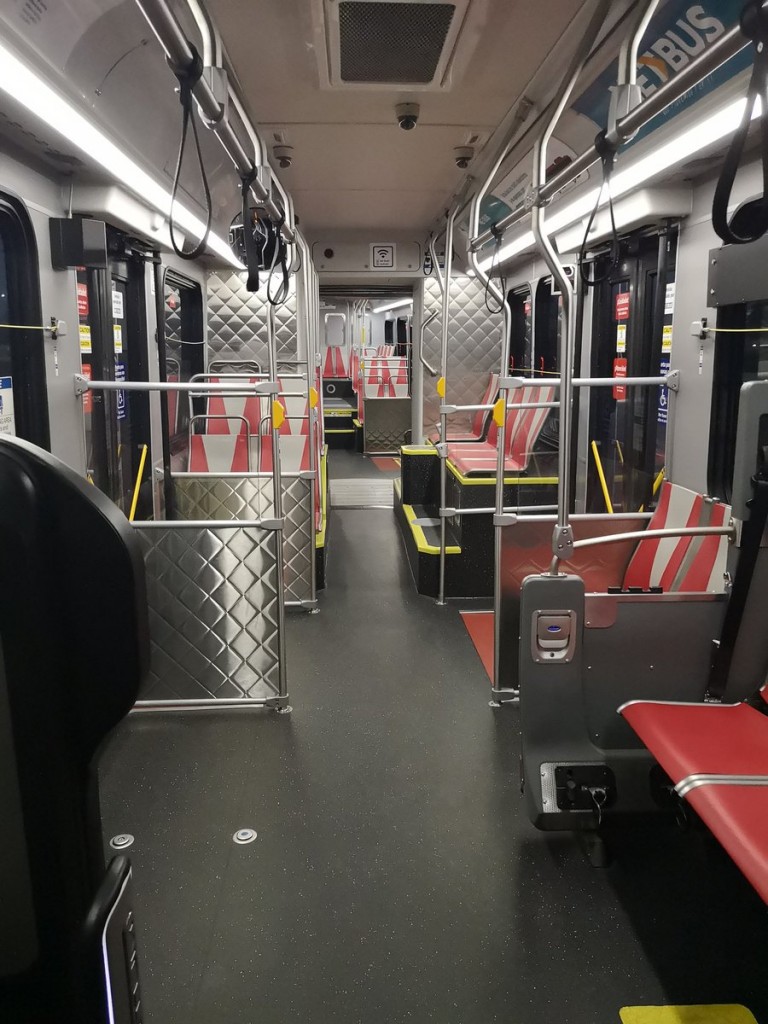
(622, 306)
(87, 372)
(620, 370)
(82, 300)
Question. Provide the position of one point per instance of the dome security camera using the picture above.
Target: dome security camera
(284, 156)
(407, 115)
(463, 156)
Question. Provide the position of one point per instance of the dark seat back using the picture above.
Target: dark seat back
(74, 649)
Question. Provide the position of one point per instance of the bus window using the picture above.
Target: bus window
(520, 353)
(23, 401)
(740, 357)
(183, 354)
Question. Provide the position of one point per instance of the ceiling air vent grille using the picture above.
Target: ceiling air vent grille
(392, 42)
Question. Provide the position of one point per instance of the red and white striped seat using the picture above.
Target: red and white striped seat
(218, 453)
(523, 426)
(481, 420)
(294, 453)
(251, 408)
(335, 365)
(683, 564)
(385, 350)
(294, 399)
(386, 378)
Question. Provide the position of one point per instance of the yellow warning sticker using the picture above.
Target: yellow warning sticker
(621, 337)
(666, 338)
(85, 338)
(723, 1014)
(117, 331)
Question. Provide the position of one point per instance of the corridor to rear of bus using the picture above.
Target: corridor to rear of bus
(394, 876)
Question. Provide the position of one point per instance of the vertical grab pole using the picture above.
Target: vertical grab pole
(562, 536)
(446, 285)
(277, 504)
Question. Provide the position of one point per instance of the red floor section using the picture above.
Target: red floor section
(385, 463)
(480, 628)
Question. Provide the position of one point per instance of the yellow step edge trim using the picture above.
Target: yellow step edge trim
(320, 537)
(729, 1013)
(485, 481)
(358, 423)
(422, 544)
(338, 412)
(349, 430)
(408, 449)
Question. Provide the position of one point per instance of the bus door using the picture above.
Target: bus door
(632, 337)
(113, 346)
(23, 395)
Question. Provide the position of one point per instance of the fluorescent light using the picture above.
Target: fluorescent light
(20, 82)
(682, 146)
(391, 305)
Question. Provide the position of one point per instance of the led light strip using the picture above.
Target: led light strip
(28, 89)
(683, 146)
(392, 305)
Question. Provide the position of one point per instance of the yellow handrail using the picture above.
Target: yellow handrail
(601, 474)
(139, 475)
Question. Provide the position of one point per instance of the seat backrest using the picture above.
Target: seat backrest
(235, 408)
(482, 417)
(218, 453)
(514, 398)
(528, 425)
(74, 647)
(335, 364)
(294, 399)
(684, 564)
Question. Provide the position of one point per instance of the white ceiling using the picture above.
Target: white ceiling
(353, 168)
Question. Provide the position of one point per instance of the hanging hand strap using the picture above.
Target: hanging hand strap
(251, 245)
(754, 25)
(188, 77)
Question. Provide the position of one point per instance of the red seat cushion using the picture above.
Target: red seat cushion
(738, 817)
(702, 739)
(479, 458)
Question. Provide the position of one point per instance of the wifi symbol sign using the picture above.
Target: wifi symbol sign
(383, 256)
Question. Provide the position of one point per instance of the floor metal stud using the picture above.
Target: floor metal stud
(243, 836)
(121, 842)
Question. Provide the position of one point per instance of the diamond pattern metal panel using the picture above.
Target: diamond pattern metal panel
(387, 420)
(474, 348)
(211, 497)
(213, 612)
(237, 321)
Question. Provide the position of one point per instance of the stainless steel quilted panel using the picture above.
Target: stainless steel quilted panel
(387, 420)
(213, 612)
(221, 498)
(474, 348)
(237, 321)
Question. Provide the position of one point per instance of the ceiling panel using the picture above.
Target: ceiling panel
(352, 165)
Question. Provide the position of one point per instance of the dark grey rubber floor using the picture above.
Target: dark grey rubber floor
(394, 878)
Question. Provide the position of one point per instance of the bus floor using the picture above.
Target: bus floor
(394, 877)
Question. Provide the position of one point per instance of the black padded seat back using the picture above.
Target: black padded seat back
(74, 644)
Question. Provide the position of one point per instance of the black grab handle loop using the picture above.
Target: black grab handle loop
(251, 245)
(754, 25)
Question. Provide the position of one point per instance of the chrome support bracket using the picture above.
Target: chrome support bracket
(272, 524)
(81, 384)
(442, 449)
(447, 513)
(562, 541)
(446, 410)
(511, 383)
(505, 519)
(673, 380)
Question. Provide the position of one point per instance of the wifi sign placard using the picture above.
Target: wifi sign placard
(383, 256)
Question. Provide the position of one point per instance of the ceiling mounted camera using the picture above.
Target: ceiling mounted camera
(284, 156)
(463, 156)
(407, 115)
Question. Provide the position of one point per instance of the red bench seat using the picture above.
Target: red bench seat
(717, 757)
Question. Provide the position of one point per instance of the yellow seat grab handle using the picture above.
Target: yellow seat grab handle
(278, 415)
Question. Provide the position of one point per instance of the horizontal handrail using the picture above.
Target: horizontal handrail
(615, 538)
(82, 384)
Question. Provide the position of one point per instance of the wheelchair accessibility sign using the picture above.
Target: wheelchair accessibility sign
(7, 417)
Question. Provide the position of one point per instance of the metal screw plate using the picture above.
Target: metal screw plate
(243, 836)
(122, 841)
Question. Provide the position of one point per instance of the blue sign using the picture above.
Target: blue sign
(663, 411)
(677, 34)
(122, 411)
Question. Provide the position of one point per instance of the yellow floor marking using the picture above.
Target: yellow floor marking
(725, 1014)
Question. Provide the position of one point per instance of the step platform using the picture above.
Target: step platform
(470, 564)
